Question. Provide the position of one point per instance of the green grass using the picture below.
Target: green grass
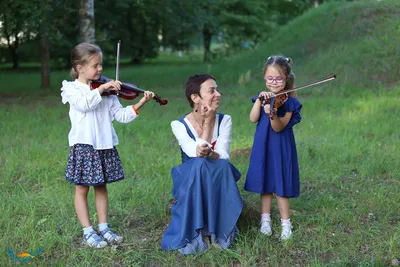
(347, 213)
(349, 173)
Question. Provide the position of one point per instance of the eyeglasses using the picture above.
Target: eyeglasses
(270, 79)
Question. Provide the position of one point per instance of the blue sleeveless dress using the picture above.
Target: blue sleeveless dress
(208, 203)
(273, 164)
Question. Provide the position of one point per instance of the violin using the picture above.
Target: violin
(274, 102)
(128, 91)
(277, 100)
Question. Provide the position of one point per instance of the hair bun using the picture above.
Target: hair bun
(288, 60)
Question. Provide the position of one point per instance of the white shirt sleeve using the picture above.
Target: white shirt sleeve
(223, 144)
(120, 113)
(80, 100)
(188, 145)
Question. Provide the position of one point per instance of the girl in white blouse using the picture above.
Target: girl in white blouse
(93, 159)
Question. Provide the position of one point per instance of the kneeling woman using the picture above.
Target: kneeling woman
(208, 202)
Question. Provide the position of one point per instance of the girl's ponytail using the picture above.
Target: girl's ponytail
(74, 73)
(289, 81)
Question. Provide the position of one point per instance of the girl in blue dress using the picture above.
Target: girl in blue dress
(273, 167)
(208, 202)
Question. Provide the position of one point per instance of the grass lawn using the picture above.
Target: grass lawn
(347, 213)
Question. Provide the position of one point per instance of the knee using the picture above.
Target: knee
(199, 161)
(100, 188)
(223, 163)
(82, 190)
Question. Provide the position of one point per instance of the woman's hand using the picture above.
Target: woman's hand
(147, 95)
(207, 112)
(203, 150)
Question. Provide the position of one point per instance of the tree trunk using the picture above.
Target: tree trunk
(12, 46)
(44, 61)
(207, 35)
(14, 57)
(86, 14)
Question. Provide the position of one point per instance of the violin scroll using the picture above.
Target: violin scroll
(161, 101)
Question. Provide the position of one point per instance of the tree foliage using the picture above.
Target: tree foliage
(16, 29)
(135, 23)
(143, 26)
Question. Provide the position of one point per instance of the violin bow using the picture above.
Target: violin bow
(329, 78)
(117, 65)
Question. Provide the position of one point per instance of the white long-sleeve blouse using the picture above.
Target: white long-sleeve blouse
(222, 142)
(91, 115)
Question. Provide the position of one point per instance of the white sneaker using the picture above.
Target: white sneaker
(94, 240)
(286, 231)
(266, 227)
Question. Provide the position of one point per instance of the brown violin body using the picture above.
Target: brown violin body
(128, 91)
(276, 101)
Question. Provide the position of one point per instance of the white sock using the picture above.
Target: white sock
(266, 216)
(87, 230)
(103, 226)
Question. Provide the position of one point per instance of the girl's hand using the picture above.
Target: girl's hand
(203, 150)
(112, 85)
(147, 95)
(266, 95)
(263, 94)
(267, 110)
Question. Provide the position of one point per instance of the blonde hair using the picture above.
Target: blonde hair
(81, 55)
(283, 65)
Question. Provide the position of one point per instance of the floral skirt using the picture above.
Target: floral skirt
(90, 167)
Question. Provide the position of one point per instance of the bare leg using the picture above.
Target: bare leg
(81, 205)
(284, 207)
(101, 198)
(266, 202)
(266, 224)
(284, 210)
